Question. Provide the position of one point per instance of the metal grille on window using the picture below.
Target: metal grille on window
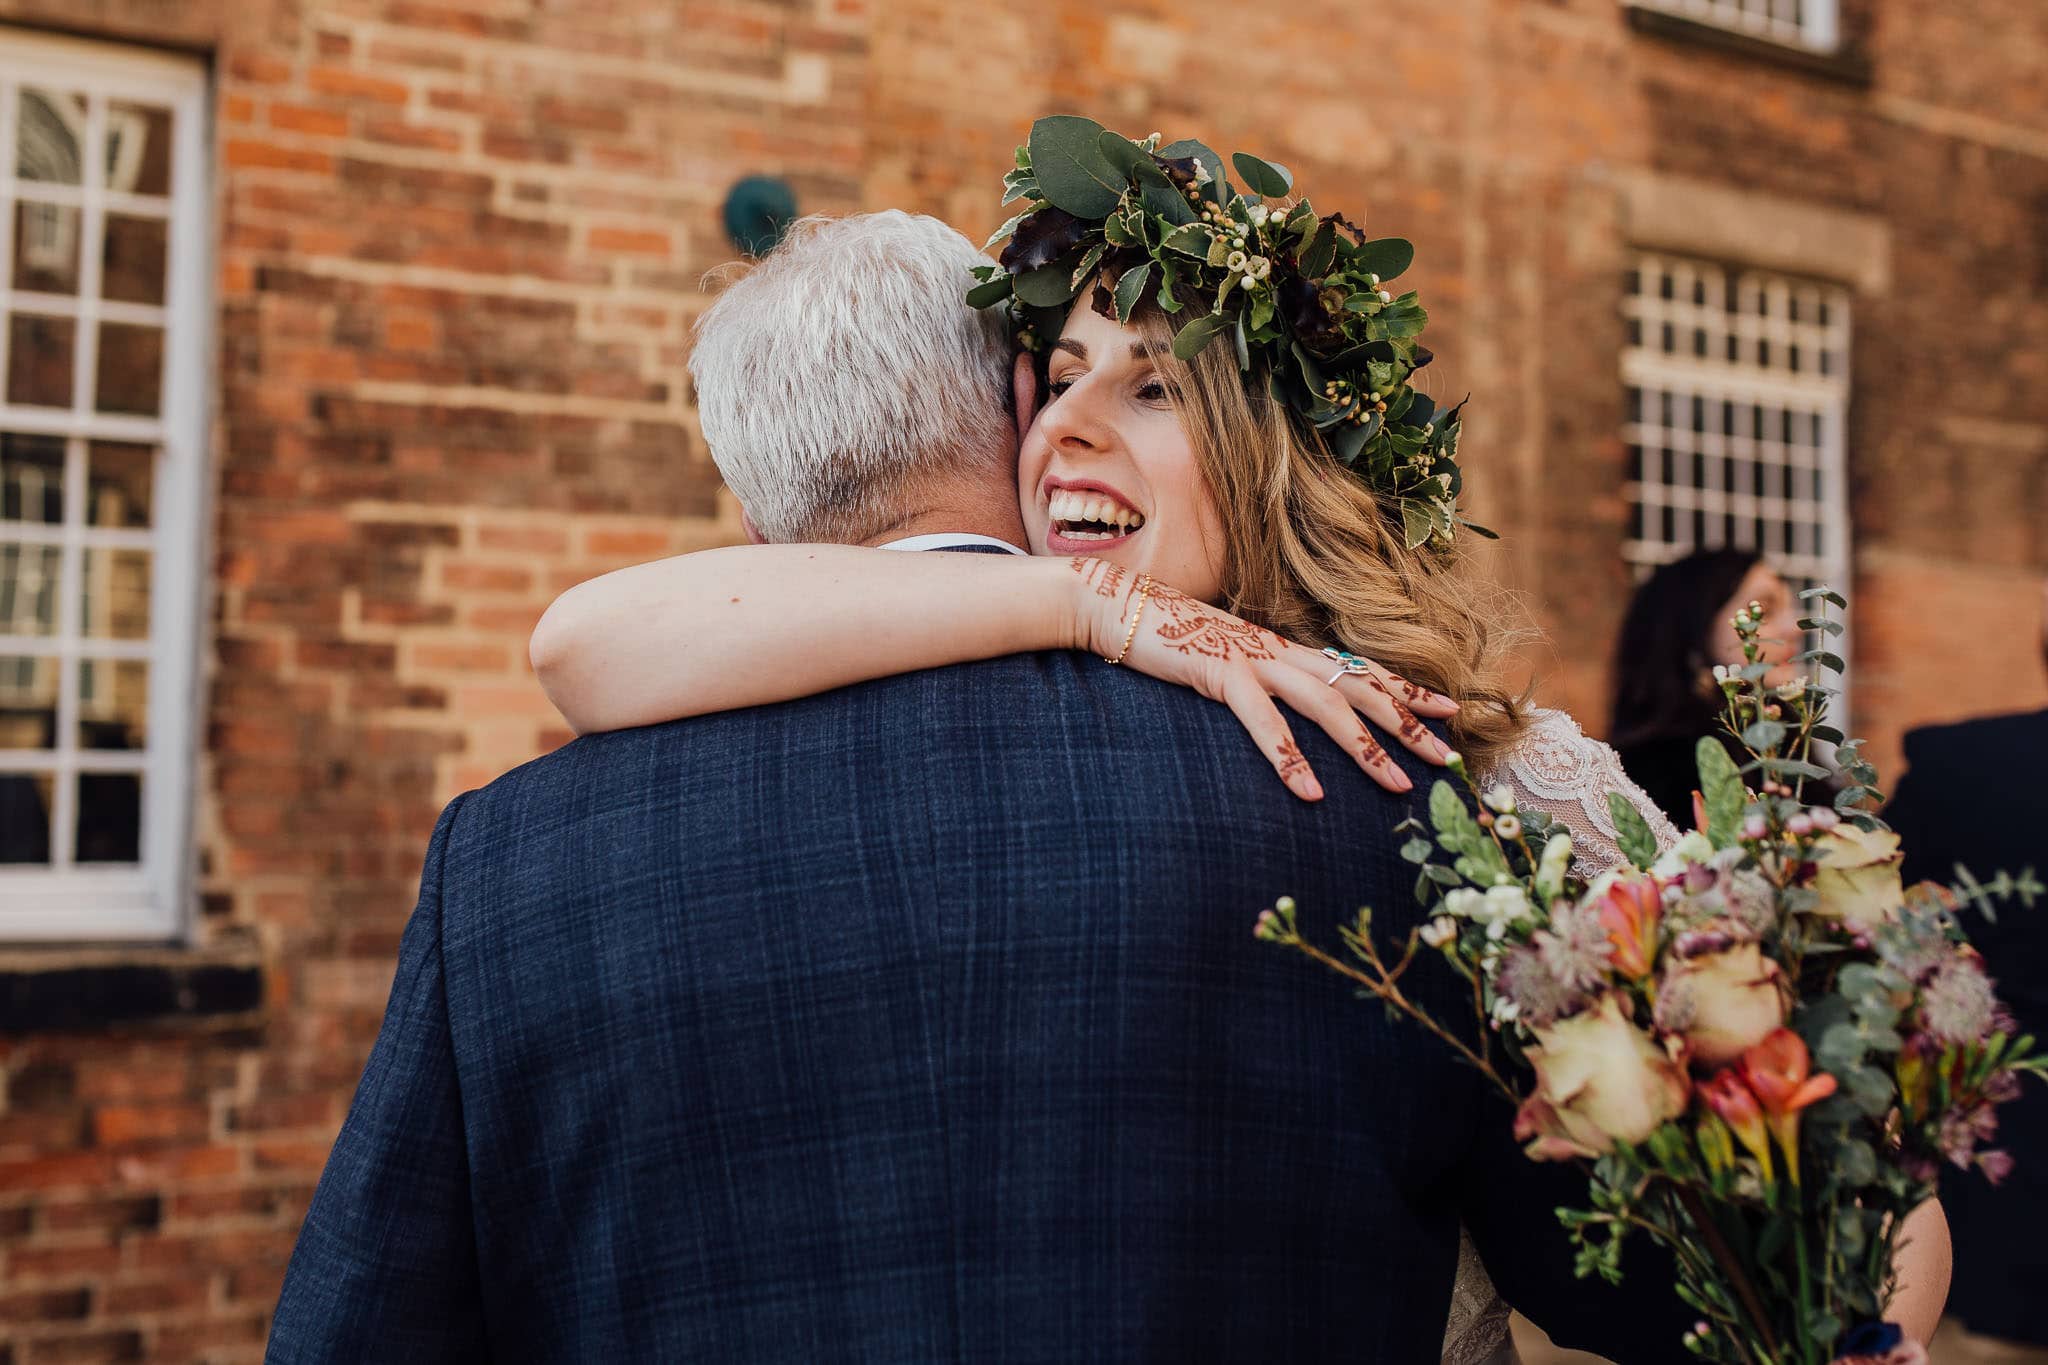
(1737, 390)
(101, 380)
(1795, 23)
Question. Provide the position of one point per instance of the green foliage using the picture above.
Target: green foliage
(1299, 295)
(1638, 843)
(1721, 786)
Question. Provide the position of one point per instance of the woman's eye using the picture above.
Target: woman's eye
(1152, 391)
(1055, 387)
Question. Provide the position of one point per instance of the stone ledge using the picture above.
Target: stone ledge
(1850, 68)
(89, 990)
(1724, 222)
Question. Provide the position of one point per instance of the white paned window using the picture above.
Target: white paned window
(103, 378)
(1795, 23)
(1737, 390)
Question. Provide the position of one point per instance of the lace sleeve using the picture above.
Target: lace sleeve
(1560, 770)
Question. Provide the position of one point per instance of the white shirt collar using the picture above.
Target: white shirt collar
(944, 540)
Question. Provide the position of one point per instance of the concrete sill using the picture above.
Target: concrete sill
(89, 990)
(1849, 68)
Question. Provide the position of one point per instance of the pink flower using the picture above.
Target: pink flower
(1995, 1164)
(1599, 1080)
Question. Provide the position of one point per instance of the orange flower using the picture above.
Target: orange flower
(1631, 911)
(1736, 1105)
(1776, 1071)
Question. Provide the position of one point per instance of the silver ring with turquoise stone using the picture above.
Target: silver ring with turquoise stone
(1353, 666)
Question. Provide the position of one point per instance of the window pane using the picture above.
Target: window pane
(113, 704)
(31, 478)
(131, 373)
(25, 817)
(29, 575)
(109, 818)
(46, 248)
(115, 602)
(39, 356)
(138, 148)
(133, 269)
(50, 136)
(28, 702)
(117, 485)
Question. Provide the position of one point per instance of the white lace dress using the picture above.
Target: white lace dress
(1558, 769)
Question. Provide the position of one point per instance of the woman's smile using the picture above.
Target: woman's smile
(1087, 516)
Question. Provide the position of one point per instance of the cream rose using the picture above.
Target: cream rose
(1722, 1002)
(1858, 876)
(1599, 1080)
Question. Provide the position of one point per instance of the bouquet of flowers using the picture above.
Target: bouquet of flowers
(1762, 1044)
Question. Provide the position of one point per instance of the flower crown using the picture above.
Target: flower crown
(1300, 295)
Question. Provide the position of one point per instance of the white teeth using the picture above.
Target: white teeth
(1069, 506)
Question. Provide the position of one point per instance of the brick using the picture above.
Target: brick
(121, 1125)
(45, 1305)
(461, 658)
(60, 1262)
(128, 1213)
(299, 118)
(492, 578)
(350, 84)
(248, 154)
(626, 544)
(634, 241)
(86, 1348)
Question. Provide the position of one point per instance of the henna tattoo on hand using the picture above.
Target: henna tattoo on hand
(1195, 628)
(1106, 578)
(1292, 764)
(1369, 751)
(1415, 692)
(1412, 729)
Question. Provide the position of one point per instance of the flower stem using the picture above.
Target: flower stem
(1724, 1256)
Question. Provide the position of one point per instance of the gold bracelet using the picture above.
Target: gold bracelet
(1144, 591)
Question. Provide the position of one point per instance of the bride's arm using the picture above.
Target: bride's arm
(747, 625)
(722, 629)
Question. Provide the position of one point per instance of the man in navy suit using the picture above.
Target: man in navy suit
(2000, 1259)
(920, 1021)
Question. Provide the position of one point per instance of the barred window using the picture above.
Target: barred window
(102, 384)
(1737, 393)
(1807, 24)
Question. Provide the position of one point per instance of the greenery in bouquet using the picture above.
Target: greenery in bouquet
(1760, 1042)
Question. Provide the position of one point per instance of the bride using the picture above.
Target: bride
(1182, 518)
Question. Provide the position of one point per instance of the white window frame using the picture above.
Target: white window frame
(1810, 24)
(146, 901)
(1702, 461)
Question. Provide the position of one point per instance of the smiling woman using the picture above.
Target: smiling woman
(1109, 469)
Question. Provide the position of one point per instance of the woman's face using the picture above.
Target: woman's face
(1781, 638)
(1106, 468)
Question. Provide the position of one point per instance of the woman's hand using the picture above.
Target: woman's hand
(1245, 667)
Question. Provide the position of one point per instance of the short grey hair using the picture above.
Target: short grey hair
(845, 374)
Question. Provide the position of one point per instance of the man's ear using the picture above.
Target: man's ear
(754, 536)
(1024, 392)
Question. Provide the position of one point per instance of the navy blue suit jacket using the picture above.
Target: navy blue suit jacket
(920, 1021)
(2000, 1260)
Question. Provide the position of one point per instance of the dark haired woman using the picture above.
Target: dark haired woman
(1678, 627)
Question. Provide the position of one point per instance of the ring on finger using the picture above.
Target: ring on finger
(1353, 666)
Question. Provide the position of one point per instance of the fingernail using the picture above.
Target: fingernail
(1311, 790)
(1403, 782)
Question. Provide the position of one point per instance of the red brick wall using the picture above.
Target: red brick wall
(459, 251)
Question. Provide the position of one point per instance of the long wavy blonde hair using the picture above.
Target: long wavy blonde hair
(1312, 553)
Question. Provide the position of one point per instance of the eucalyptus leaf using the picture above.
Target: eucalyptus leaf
(1417, 850)
(1124, 156)
(1321, 252)
(1166, 201)
(1073, 174)
(1130, 287)
(1189, 340)
(990, 292)
(1005, 230)
(1049, 286)
(1386, 257)
(1764, 734)
(1189, 149)
(1244, 350)
(1263, 178)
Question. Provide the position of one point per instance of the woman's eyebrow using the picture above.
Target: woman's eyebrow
(1071, 347)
